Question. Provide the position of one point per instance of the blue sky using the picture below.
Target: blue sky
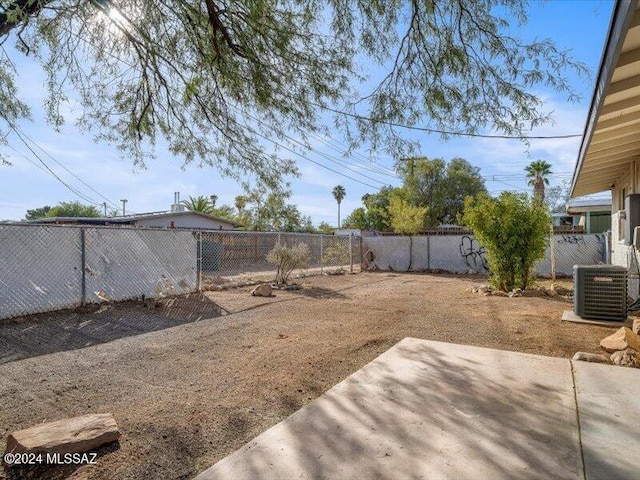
(577, 25)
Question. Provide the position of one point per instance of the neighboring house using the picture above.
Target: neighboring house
(177, 218)
(592, 214)
(609, 157)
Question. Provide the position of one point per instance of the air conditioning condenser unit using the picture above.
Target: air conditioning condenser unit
(600, 292)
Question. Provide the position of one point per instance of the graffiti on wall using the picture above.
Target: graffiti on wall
(474, 255)
(572, 239)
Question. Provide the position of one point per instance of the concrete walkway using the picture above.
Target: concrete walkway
(431, 410)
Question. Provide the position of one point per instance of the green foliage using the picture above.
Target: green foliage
(200, 204)
(37, 213)
(406, 219)
(207, 205)
(357, 219)
(325, 228)
(513, 229)
(64, 209)
(339, 193)
(286, 259)
(263, 210)
(537, 173)
(439, 186)
(215, 78)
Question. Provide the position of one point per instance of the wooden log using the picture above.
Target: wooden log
(71, 435)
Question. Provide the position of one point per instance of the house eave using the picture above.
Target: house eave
(607, 160)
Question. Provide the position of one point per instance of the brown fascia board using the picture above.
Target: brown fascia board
(621, 18)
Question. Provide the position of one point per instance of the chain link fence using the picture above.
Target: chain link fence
(231, 257)
(45, 267)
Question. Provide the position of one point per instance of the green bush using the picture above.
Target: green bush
(286, 259)
(513, 229)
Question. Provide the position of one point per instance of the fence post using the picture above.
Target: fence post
(278, 238)
(83, 264)
(321, 254)
(199, 263)
(350, 252)
(553, 255)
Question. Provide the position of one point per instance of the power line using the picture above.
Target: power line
(79, 194)
(65, 168)
(328, 157)
(444, 132)
(312, 161)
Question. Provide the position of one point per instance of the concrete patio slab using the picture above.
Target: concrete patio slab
(427, 410)
(570, 316)
(609, 408)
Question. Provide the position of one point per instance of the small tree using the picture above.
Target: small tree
(513, 229)
(286, 259)
(406, 219)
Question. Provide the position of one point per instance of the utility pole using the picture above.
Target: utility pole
(124, 202)
(104, 204)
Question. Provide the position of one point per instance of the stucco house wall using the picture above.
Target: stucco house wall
(621, 253)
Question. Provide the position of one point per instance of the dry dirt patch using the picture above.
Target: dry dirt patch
(188, 395)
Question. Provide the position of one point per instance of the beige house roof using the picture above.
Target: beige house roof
(611, 139)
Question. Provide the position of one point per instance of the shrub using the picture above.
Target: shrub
(513, 229)
(406, 219)
(286, 259)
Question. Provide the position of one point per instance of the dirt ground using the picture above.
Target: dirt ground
(188, 388)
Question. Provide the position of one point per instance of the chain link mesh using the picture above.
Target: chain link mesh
(123, 264)
(45, 267)
(40, 269)
(227, 257)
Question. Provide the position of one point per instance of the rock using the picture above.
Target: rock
(484, 289)
(591, 357)
(500, 293)
(533, 293)
(516, 292)
(561, 290)
(552, 293)
(636, 326)
(626, 358)
(624, 338)
(71, 435)
(262, 290)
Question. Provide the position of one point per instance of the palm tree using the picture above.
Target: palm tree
(537, 173)
(199, 204)
(339, 193)
(240, 203)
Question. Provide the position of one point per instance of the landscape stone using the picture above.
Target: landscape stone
(561, 290)
(533, 293)
(623, 338)
(71, 435)
(626, 358)
(591, 357)
(262, 290)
